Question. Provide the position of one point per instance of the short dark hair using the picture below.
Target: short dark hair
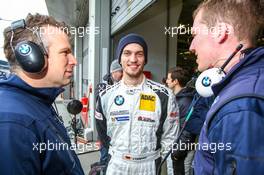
(32, 21)
(180, 74)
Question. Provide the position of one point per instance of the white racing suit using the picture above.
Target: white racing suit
(138, 124)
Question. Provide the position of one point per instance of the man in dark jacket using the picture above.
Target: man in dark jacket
(177, 79)
(231, 140)
(201, 106)
(34, 140)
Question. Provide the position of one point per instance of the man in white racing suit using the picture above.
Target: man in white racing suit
(136, 118)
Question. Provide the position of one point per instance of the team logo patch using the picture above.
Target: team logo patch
(206, 81)
(145, 119)
(122, 118)
(122, 112)
(147, 102)
(173, 114)
(98, 115)
(24, 49)
(119, 100)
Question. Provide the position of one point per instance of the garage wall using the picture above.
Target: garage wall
(85, 63)
(151, 25)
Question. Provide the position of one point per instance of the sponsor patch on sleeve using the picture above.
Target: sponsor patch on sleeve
(174, 114)
(147, 102)
(146, 119)
(98, 115)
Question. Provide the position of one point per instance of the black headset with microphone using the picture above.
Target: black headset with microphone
(30, 55)
(208, 78)
(203, 86)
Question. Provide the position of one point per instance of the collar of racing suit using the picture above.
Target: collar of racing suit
(133, 89)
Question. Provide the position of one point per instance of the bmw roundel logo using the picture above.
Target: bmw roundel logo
(119, 100)
(24, 49)
(206, 81)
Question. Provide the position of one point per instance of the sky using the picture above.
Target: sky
(18, 10)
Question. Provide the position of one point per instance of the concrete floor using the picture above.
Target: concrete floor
(90, 156)
(87, 159)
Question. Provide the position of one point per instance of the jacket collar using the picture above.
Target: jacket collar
(249, 59)
(47, 95)
(186, 92)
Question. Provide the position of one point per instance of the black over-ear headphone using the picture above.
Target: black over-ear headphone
(29, 55)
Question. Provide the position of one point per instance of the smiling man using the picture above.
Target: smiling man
(34, 140)
(136, 118)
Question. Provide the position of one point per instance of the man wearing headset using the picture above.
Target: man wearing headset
(136, 118)
(231, 140)
(33, 137)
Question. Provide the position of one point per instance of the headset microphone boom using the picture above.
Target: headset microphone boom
(212, 76)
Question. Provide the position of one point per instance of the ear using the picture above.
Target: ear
(176, 81)
(222, 31)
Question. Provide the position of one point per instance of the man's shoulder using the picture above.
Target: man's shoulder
(243, 104)
(239, 110)
(101, 85)
(18, 104)
(14, 98)
(158, 88)
(99, 88)
(245, 86)
(240, 118)
(24, 122)
(108, 89)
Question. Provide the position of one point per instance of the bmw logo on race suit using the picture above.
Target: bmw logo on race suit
(119, 100)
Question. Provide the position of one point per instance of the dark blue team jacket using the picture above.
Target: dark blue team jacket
(30, 132)
(235, 123)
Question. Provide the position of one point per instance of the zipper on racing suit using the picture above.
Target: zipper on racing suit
(131, 114)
